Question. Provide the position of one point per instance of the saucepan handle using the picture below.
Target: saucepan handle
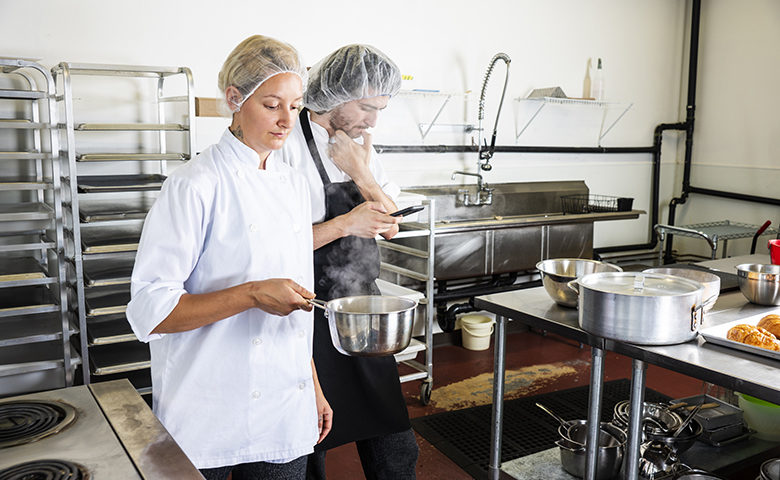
(319, 304)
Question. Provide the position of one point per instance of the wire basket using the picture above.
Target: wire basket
(595, 203)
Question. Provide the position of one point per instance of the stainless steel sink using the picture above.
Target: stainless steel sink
(509, 199)
(523, 225)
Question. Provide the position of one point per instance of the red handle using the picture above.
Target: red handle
(763, 227)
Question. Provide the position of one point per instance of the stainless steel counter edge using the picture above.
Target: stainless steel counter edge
(154, 452)
(522, 221)
(741, 371)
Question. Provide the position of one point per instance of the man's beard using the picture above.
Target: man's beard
(338, 121)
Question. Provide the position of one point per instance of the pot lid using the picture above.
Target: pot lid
(640, 284)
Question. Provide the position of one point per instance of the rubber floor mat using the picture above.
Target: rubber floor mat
(464, 435)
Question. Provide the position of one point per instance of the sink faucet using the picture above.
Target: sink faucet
(484, 192)
(485, 151)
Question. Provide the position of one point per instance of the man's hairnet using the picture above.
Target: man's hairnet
(252, 62)
(350, 73)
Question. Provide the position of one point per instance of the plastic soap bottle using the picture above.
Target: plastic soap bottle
(586, 82)
(598, 83)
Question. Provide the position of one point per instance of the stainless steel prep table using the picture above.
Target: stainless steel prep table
(748, 373)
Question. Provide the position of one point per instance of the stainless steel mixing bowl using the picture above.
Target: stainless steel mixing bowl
(557, 272)
(760, 283)
(710, 281)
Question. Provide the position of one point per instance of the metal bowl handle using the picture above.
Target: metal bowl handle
(572, 286)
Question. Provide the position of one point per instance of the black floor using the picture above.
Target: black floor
(464, 435)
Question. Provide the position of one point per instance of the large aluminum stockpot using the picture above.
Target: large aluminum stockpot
(369, 325)
(641, 308)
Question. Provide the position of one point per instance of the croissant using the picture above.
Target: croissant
(754, 336)
(771, 323)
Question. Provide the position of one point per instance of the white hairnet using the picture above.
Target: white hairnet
(252, 62)
(350, 73)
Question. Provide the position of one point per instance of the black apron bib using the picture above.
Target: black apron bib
(364, 392)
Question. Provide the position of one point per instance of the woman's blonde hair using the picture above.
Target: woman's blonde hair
(255, 60)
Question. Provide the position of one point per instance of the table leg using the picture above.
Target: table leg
(594, 412)
(635, 419)
(499, 371)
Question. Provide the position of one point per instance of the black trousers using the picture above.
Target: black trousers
(389, 457)
(293, 470)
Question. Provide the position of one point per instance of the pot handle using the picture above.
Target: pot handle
(566, 447)
(572, 284)
(694, 316)
(319, 304)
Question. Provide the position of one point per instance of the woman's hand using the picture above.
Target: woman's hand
(280, 296)
(324, 415)
(324, 412)
(368, 220)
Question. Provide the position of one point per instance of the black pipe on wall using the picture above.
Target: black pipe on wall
(507, 149)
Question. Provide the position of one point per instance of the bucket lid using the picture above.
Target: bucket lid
(640, 284)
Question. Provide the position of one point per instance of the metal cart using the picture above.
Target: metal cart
(424, 371)
(712, 233)
(116, 154)
(35, 351)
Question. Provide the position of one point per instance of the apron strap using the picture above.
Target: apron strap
(315, 154)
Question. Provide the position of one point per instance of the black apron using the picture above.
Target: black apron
(364, 392)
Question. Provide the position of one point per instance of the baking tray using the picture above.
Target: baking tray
(119, 183)
(717, 335)
(20, 268)
(110, 239)
(104, 212)
(107, 300)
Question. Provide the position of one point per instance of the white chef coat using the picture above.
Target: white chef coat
(238, 390)
(295, 153)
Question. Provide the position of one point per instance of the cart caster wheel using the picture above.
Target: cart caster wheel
(425, 392)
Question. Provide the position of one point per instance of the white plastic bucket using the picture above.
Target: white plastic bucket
(476, 331)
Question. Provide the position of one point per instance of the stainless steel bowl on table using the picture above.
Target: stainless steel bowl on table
(369, 325)
(759, 283)
(710, 281)
(558, 272)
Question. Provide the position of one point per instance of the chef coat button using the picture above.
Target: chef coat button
(253, 227)
(282, 180)
(301, 333)
(301, 386)
(257, 341)
(255, 394)
(239, 174)
(296, 227)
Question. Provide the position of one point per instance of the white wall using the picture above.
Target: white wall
(446, 45)
(737, 138)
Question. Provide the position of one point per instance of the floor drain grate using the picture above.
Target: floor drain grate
(464, 435)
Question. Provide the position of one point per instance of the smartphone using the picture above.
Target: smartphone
(407, 210)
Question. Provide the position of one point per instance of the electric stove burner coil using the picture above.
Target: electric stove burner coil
(45, 470)
(27, 421)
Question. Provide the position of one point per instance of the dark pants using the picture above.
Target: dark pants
(389, 457)
(294, 470)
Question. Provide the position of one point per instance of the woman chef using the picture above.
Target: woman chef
(221, 282)
(350, 200)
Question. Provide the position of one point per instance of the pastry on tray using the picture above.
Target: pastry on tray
(754, 336)
(771, 323)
